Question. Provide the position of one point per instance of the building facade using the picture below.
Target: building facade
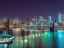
(16, 22)
(59, 17)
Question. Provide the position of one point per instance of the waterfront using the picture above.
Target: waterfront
(45, 40)
(38, 40)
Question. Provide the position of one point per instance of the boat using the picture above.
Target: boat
(6, 39)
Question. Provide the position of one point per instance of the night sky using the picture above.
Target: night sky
(29, 8)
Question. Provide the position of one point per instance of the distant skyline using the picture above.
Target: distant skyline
(24, 9)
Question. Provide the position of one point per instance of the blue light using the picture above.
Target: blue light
(4, 32)
(59, 35)
(59, 17)
(60, 30)
(50, 18)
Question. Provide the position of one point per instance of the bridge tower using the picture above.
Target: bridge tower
(52, 28)
(6, 24)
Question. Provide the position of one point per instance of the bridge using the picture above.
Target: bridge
(7, 27)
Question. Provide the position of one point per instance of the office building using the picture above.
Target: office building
(50, 19)
(59, 17)
(28, 21)
(16, 22)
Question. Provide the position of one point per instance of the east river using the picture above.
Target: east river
(37, 39)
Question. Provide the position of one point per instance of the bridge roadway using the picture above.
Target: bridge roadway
(32, 26)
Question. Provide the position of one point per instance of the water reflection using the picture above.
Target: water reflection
(39, 40)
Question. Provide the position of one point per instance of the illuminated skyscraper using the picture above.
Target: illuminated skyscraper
(50, 18)
(10, 22)
(28, 21)
(33, 19)
(62, 18)
(16, 22)
(36, 21)
(40, 18)
(59, 17)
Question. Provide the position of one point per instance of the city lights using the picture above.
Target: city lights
(59, 17)
(42, 34)
(50, 18)
(30, 30)
(34, 24)
(31, 23)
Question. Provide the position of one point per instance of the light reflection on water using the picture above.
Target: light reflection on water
(39, 40)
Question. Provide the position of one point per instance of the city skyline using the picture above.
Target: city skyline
(60, 17)
(24, 9)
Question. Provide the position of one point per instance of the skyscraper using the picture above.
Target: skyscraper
(62, 18)
(28, 21)
(16, 22)
(50, 19)
(33, 19)
(59, 17)
(40, 18)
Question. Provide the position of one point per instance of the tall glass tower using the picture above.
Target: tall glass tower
(50, 18)
(59, 17)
